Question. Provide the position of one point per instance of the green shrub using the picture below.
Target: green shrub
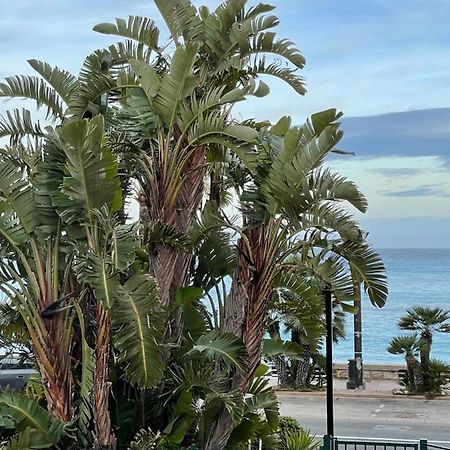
(294, 437)
(288, 425)
(300, 440)
(437, 376)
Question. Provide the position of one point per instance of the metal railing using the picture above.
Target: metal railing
(336, 443)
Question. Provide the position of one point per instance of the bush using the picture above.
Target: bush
(294, 437)
(288, 425)
(437, 377)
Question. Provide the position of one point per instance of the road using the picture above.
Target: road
(397, 418)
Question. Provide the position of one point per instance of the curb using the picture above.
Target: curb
(366, 394)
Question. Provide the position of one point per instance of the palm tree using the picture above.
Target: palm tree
(292, 195)
(425, 320)
(136, 114)
(409, 346)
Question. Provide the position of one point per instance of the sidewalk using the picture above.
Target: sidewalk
(373, 389)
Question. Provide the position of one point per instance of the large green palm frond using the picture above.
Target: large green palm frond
(17, 124)
(368, 267)
(89, 95)
(224, 347)
(419, 318)
(286, 74)
(181, 19)
(62, 81)
(295, 155)
(122, 52)
(98, 272)
(84, 413)
(267, 43)
(140, 329)
(92, 179)
(33, 88)
(103, 77)
(327, 217)
(26, 413)
(18, 219)
(408, 345)
(140, 29)
(176, 84)
(331, 270)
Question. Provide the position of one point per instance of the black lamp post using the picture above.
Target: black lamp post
(329, 359)
(355, 365)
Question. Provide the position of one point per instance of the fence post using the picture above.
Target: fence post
(423, 444)
(327, 442)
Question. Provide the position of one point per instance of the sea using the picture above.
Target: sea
(416, 277)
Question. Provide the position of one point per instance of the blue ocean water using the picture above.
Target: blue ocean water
(416, 277)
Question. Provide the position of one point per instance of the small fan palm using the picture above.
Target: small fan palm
(300, 440)
(426, 321)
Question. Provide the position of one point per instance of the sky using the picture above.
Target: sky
(384, 63)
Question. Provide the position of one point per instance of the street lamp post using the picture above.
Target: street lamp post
(356, 371)
(329, 359)
(359, 380)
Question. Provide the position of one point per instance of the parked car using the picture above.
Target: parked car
(14, 373)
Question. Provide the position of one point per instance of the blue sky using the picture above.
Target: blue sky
(384, 63)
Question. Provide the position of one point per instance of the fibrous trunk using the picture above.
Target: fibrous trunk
(57, 381)
(281, 363)
(54, 358)
(169, 264)
(426, 340)
(245, 314)
(101, 388)
(303, 368)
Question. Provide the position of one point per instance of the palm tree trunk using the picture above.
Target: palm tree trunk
(410, 365)
(418, 377)
(101, 388)
(281, 363)
(303, 368)
(426, 340)
(170, 264)
(245, 314)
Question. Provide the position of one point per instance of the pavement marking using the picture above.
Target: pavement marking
(378, 410)
(391, 428)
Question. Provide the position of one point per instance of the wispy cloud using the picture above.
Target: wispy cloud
(400, 172)
(421, 191)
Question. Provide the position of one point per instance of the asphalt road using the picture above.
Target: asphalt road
(397, 418)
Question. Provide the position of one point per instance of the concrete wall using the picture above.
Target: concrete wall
(372, 371)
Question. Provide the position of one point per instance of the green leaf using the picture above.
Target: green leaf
(33, 88)
(99, 273)
(181, 19)
(273, 347)
(92, 180)
(28, 413)
(63, 82)
(176, 84)
(18, 217)
(267, 43)
(123, 245)
(368, 267)
(285, 74)
(86, 381)
(193, 320)
(28, 439)
(138, 28)
(17, 124)
(147, 76)
(140, 329)
(225, 347)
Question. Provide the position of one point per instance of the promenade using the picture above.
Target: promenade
(402, 418)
